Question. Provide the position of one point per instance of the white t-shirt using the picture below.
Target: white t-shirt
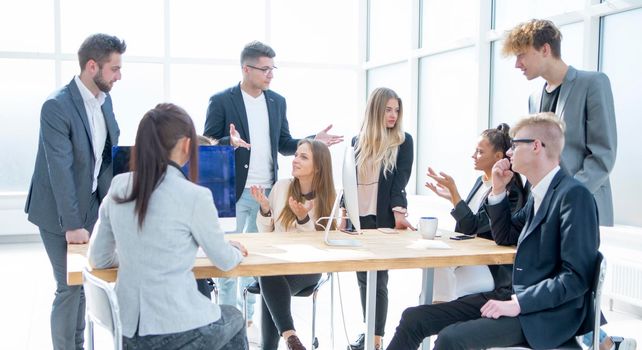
(260, 170)
(477, 200)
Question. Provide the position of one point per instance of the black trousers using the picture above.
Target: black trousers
(276, 313)
(381, 300)
(458, 325)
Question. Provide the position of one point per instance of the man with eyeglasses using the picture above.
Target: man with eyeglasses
(557, 238)
(582, 99)
(252, 118)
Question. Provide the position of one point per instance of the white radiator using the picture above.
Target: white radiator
(623, 282)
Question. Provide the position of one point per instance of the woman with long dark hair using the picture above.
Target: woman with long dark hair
(294, 205)
(151, 223)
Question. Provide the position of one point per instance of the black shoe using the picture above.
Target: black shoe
(359, 344)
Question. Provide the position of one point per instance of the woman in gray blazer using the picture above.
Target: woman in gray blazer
(151, 223)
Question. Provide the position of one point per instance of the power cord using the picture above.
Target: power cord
(343, 318)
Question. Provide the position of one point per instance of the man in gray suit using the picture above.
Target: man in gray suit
(582, 99)
(73, 172)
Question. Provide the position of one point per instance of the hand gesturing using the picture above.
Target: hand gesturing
(301, 210)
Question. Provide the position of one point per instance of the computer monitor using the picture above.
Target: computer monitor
(215, 171)
(350, 200)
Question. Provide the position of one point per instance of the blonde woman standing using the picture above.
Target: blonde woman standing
(384, 155)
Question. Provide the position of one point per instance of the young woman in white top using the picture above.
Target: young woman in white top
(151, 224)
(454, 282)
(294, 205)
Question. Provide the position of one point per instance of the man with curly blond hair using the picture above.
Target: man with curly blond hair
(582, 99)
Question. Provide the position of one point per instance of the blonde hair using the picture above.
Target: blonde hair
(322, 185)
(377, 144)
(546, 127)
(535, 33)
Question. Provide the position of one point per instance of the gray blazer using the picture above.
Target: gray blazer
(155, 282)
(60, 192)
(585, 104)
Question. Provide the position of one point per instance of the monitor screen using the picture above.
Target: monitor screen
(215, 171)
(350, 196)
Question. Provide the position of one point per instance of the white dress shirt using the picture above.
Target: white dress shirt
(538, 191)
(93, 107)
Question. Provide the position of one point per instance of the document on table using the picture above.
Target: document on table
(429, 244)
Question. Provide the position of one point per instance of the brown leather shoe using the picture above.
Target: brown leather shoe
(294, 343)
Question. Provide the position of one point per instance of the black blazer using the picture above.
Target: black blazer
(392, 188)
(478, 224)
(227, 107)
(555, 260)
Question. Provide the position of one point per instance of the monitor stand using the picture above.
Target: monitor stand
(338, 242)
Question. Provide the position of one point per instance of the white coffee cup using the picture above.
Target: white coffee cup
(428, 227)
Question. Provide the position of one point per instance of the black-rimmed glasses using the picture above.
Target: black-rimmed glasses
(265, 70)
(514, 142)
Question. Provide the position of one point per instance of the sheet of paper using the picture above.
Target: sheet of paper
(429, 244)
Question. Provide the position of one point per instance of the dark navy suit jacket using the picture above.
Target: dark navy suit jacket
(555, 261)
(227, 107)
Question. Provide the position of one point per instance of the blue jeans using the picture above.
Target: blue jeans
(587, 338)
(226, 333)
(231, 289)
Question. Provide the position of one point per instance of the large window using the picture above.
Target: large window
(442, 57)
(444, 23)
(177, 51)
(388, 34)
(447, 116)
(620, 61)
(510, 12)
(25, 85)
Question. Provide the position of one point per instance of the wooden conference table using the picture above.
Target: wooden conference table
(298, 253)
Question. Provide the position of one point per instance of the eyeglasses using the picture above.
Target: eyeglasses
(514, 142)
(265, 70)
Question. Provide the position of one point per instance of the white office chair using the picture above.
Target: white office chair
(102, 308)
(594, 316)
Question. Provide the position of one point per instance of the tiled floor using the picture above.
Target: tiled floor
(27, 292)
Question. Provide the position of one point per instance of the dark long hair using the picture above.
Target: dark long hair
(158, 132)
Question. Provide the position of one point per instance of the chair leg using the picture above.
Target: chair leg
(315, 342)
(215, 291)
(90, 334)
(245, 304)
(332, 276)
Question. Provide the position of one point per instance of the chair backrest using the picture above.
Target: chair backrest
(596, 300)
(102, 305)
